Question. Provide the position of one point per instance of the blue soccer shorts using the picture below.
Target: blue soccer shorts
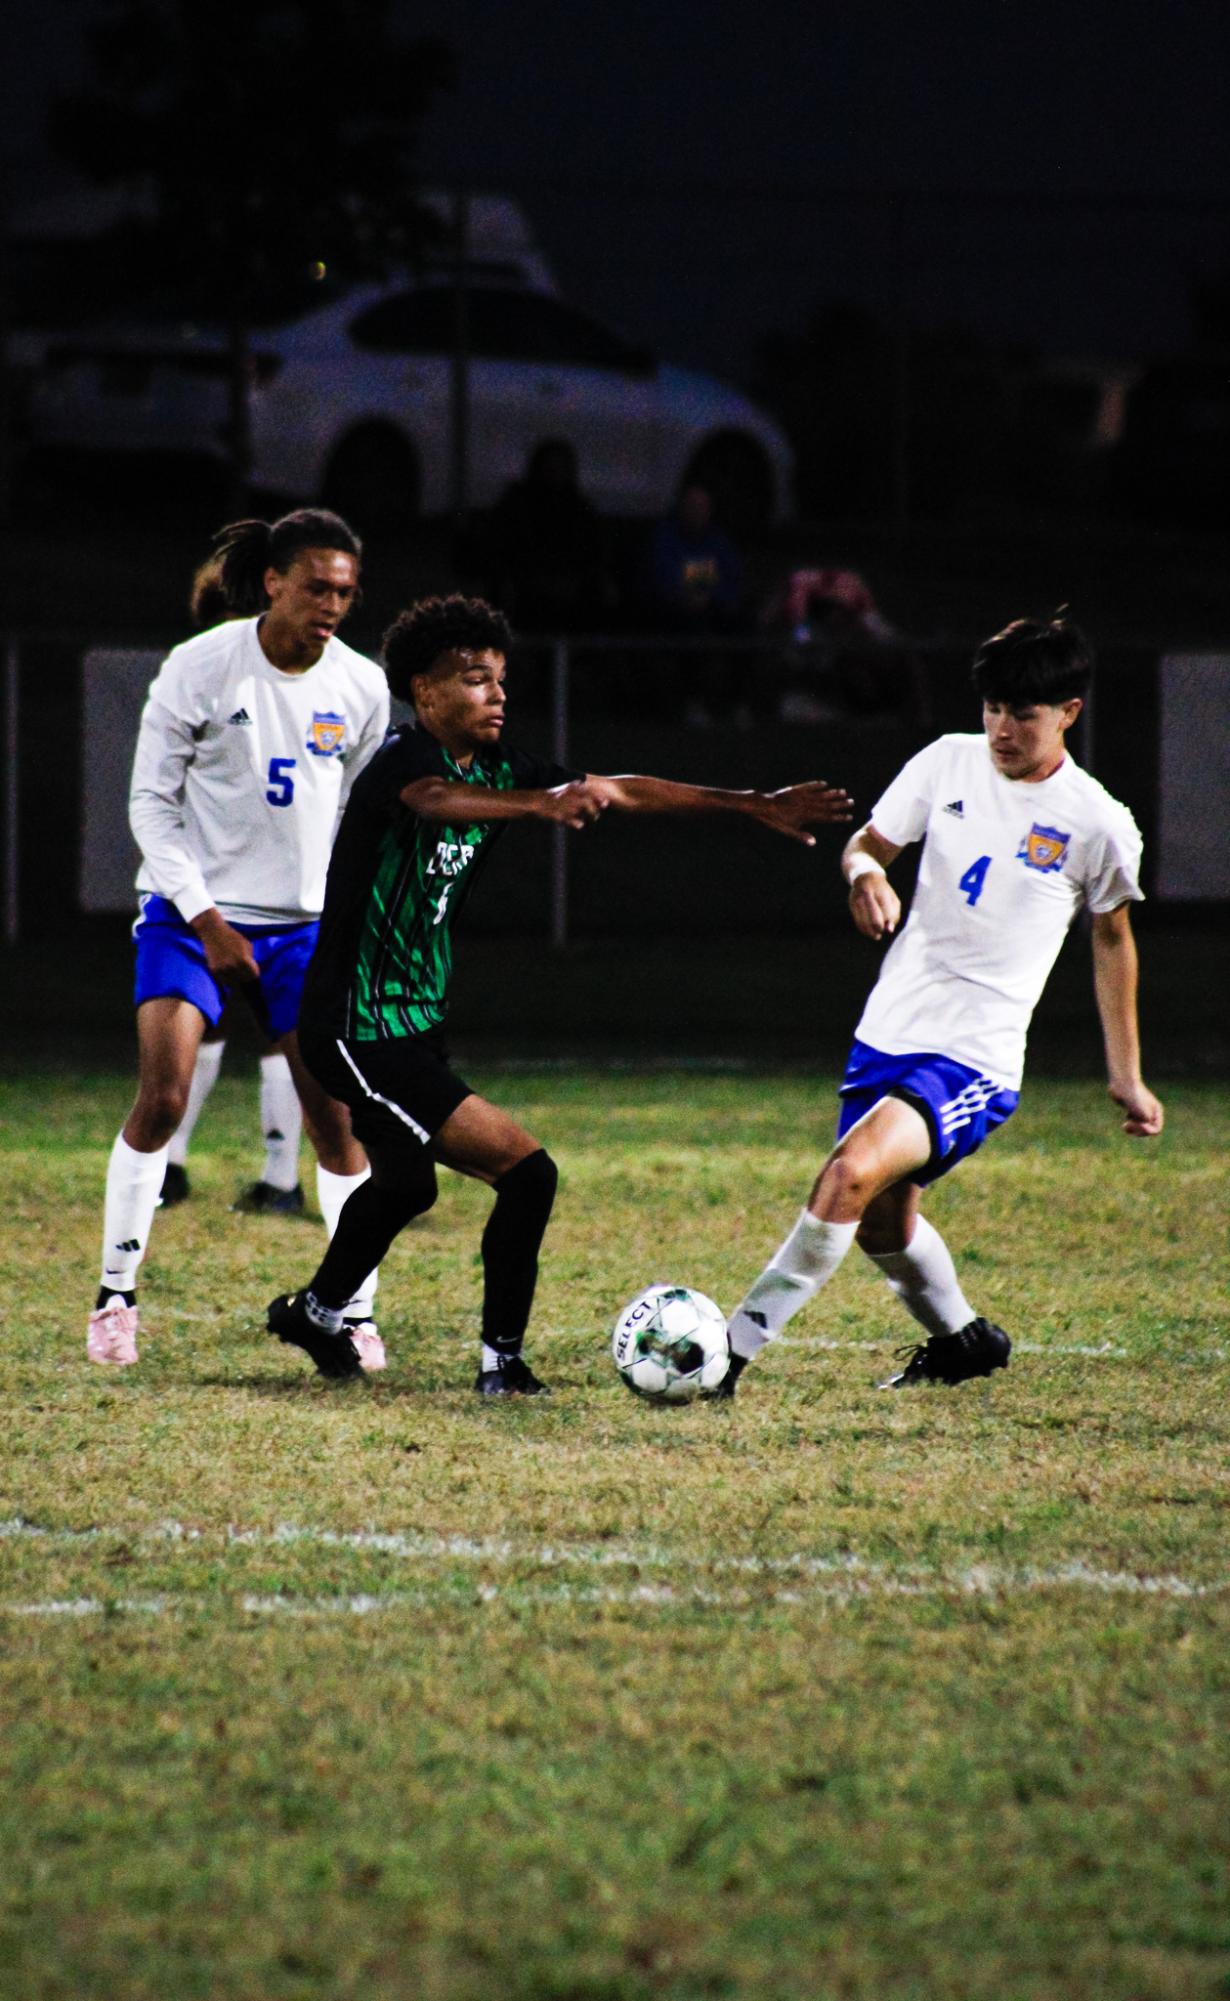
(960, 1105)
(171, 965)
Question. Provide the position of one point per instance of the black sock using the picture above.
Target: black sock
(369, 1221)
(106, 1292)
(523, 1199)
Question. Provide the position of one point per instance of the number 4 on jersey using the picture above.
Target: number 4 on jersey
(975, 875)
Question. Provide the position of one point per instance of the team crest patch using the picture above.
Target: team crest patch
(1044, 848)
(326, 733)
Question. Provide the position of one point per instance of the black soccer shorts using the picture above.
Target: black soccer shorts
(400, 1092)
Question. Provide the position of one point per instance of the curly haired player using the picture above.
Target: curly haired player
(420, 823)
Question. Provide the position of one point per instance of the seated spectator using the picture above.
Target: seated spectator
(843, 657)
(546, 555)
(695, 587)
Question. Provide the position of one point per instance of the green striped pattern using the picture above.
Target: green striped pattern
(405, 953)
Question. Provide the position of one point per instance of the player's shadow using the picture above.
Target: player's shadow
(265, 1383)
(384, 1384)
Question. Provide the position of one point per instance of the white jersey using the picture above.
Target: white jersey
(242, 770)
(1005, 867)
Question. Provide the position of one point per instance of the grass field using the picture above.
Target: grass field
(375, 1691)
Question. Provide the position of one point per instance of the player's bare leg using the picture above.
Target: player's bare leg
(480, 1140)
(205, 1073)
(865, 1190)
(909, 1251)
(325, 1121)
(890, 1219)
(887, 1145)
(169, 1033)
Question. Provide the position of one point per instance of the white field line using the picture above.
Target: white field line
(1101, 1350)
(982, 1581)
(86, 1608)
(796, 1578)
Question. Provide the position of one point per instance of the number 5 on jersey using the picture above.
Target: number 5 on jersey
(975, 875)
(281, 782)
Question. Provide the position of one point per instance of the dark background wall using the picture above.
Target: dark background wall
(690, 878)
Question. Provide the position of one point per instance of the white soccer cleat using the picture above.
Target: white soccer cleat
(368, 1346)
(112, 1334)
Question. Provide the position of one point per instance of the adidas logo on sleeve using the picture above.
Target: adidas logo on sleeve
(954, 806)
(240, 716)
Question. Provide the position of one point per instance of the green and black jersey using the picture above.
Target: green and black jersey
(396, 885)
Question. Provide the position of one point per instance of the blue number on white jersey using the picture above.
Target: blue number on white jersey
(281, 784)
(975, 875)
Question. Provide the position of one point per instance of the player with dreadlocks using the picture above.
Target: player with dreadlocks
(249, 743)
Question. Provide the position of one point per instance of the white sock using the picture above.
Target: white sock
(204, 1077)
(333, 1191)
(924, 1279)
(797, 1269)
(134, 1181)
(491, 1358)
(281, 1122)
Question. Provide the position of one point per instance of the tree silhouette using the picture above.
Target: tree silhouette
(272, 141)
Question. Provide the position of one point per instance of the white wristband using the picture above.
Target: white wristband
(861, 864)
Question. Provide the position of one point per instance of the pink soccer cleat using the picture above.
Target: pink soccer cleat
(112, 1334)
(368, 1346)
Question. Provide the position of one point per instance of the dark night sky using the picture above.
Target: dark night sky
(685, 163)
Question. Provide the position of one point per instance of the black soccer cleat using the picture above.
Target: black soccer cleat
(174, 1185)
(263, 1199)
(513, 1378)
(335, 1355)
(976, 1350)
(724, 1393)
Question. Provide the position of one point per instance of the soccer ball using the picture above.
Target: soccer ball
(670, 1344)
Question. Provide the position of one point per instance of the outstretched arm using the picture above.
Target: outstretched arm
(1114, 986)
(445, 801)
(874, 903)
(789, 811)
